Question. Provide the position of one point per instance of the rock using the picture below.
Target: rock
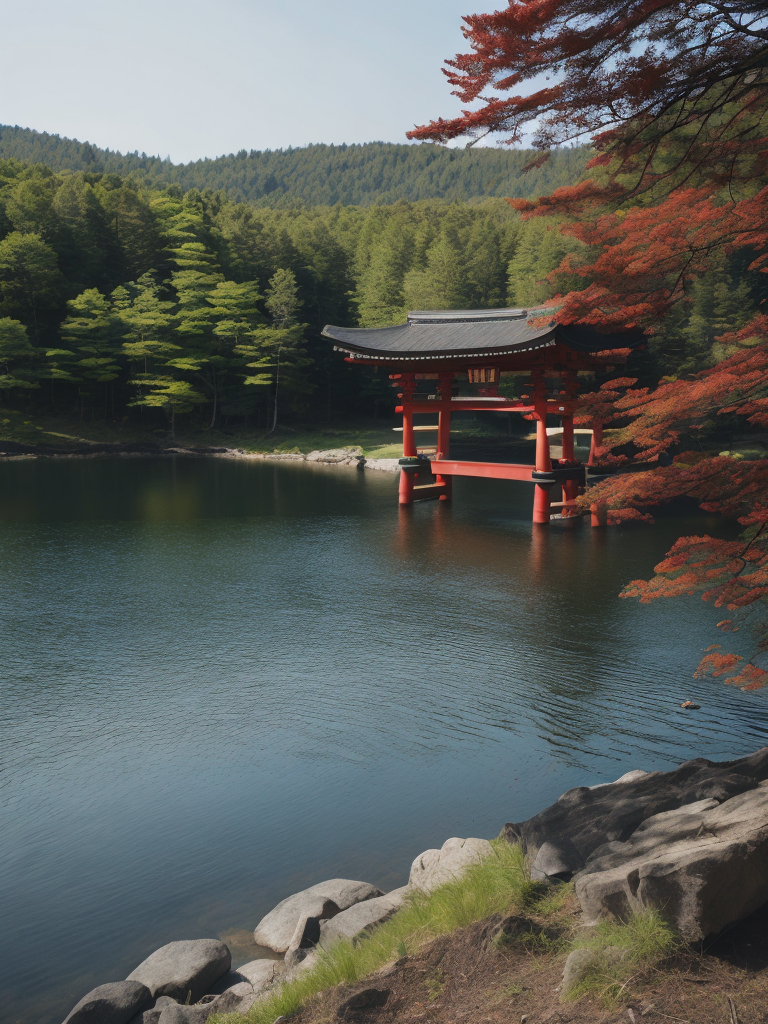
(589, 818)
(231, 981)
(583, 962)
(300, 967)
(230, 1001)
(434, 868)
(703, 866)
(184, 970)
(262, 973)
(295, 922)
(114, 1003)
(336, 456)
(383, 465)
(237, 999)
(636, 773)
(556, 859)
(349, 924)
(364, 1000)
(181, 1013)
(632, 776)
(296, 955)
(153, 1016)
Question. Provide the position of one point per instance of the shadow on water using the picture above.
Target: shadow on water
(225, 681)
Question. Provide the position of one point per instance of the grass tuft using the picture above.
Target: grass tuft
(499, 884)
(620, 951)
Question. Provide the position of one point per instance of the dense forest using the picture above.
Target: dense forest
(377, 172)
(123, 302)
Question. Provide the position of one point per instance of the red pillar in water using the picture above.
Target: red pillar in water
(445, 384)
(570, 487)
(543, 461)
(409, 445)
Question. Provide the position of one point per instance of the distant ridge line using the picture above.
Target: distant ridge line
(358, 174)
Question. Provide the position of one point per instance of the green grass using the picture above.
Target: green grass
(621, 951)
(386, 451)
(499, 884)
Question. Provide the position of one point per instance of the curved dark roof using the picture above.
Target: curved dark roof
(470, 332)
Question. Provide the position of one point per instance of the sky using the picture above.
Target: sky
(196, 78)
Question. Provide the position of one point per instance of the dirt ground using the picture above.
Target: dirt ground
(465, 977)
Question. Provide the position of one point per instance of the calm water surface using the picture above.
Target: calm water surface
(225, 681)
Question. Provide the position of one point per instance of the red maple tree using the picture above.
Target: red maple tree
(675, 98)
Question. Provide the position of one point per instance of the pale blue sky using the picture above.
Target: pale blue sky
(194, 78)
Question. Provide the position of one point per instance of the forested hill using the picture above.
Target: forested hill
(360, 175)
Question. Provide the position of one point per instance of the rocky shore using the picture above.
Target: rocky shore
(691, 844)
(350, 456)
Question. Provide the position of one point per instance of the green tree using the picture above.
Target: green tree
(380, 295)
(147, 320)
(172, 396)
(277, 352)
(93, 331)
(29, 276)
(16, 356)
(439, 284)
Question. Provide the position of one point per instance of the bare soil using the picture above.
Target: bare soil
(464, 977)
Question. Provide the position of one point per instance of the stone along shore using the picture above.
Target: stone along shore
(692, 843)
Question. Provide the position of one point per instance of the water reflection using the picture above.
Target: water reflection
(225, 681)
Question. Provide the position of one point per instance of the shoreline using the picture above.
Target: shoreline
(673, 858)
(351, 456)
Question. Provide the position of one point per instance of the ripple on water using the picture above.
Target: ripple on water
(224, 682)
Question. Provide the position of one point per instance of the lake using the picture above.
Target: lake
(228, 680)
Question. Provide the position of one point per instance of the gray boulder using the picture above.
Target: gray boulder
(383, 465)
(350, 924)
(434, 868)
(556, 859)
(633, 776)
(184, 970)
(180, 1013)
(231, 981)
(114, 1003)
(301, 966)
(153, 1016)
(337, 456)
(295, 922)
(231, 1001)
(589, 818)
(262, 974)
(703, 866)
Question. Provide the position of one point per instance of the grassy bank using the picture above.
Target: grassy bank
(487, 892)
(376, 438)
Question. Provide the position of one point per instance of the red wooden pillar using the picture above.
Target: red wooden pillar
(570, 487)
(568, 442)
(445, 384)
(543, 461)
(405, 491)
(598, 511)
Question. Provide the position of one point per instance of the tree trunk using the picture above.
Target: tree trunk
(277, 387)
(215, 399)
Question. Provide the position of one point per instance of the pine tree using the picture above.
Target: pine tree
(17, 357)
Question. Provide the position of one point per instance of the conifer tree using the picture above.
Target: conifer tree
(16, 356)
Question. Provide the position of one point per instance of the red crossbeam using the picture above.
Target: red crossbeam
(469, 406)
(493, 470)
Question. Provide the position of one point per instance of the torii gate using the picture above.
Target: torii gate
(481, 343)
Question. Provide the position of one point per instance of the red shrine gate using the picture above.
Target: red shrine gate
(479, 345)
